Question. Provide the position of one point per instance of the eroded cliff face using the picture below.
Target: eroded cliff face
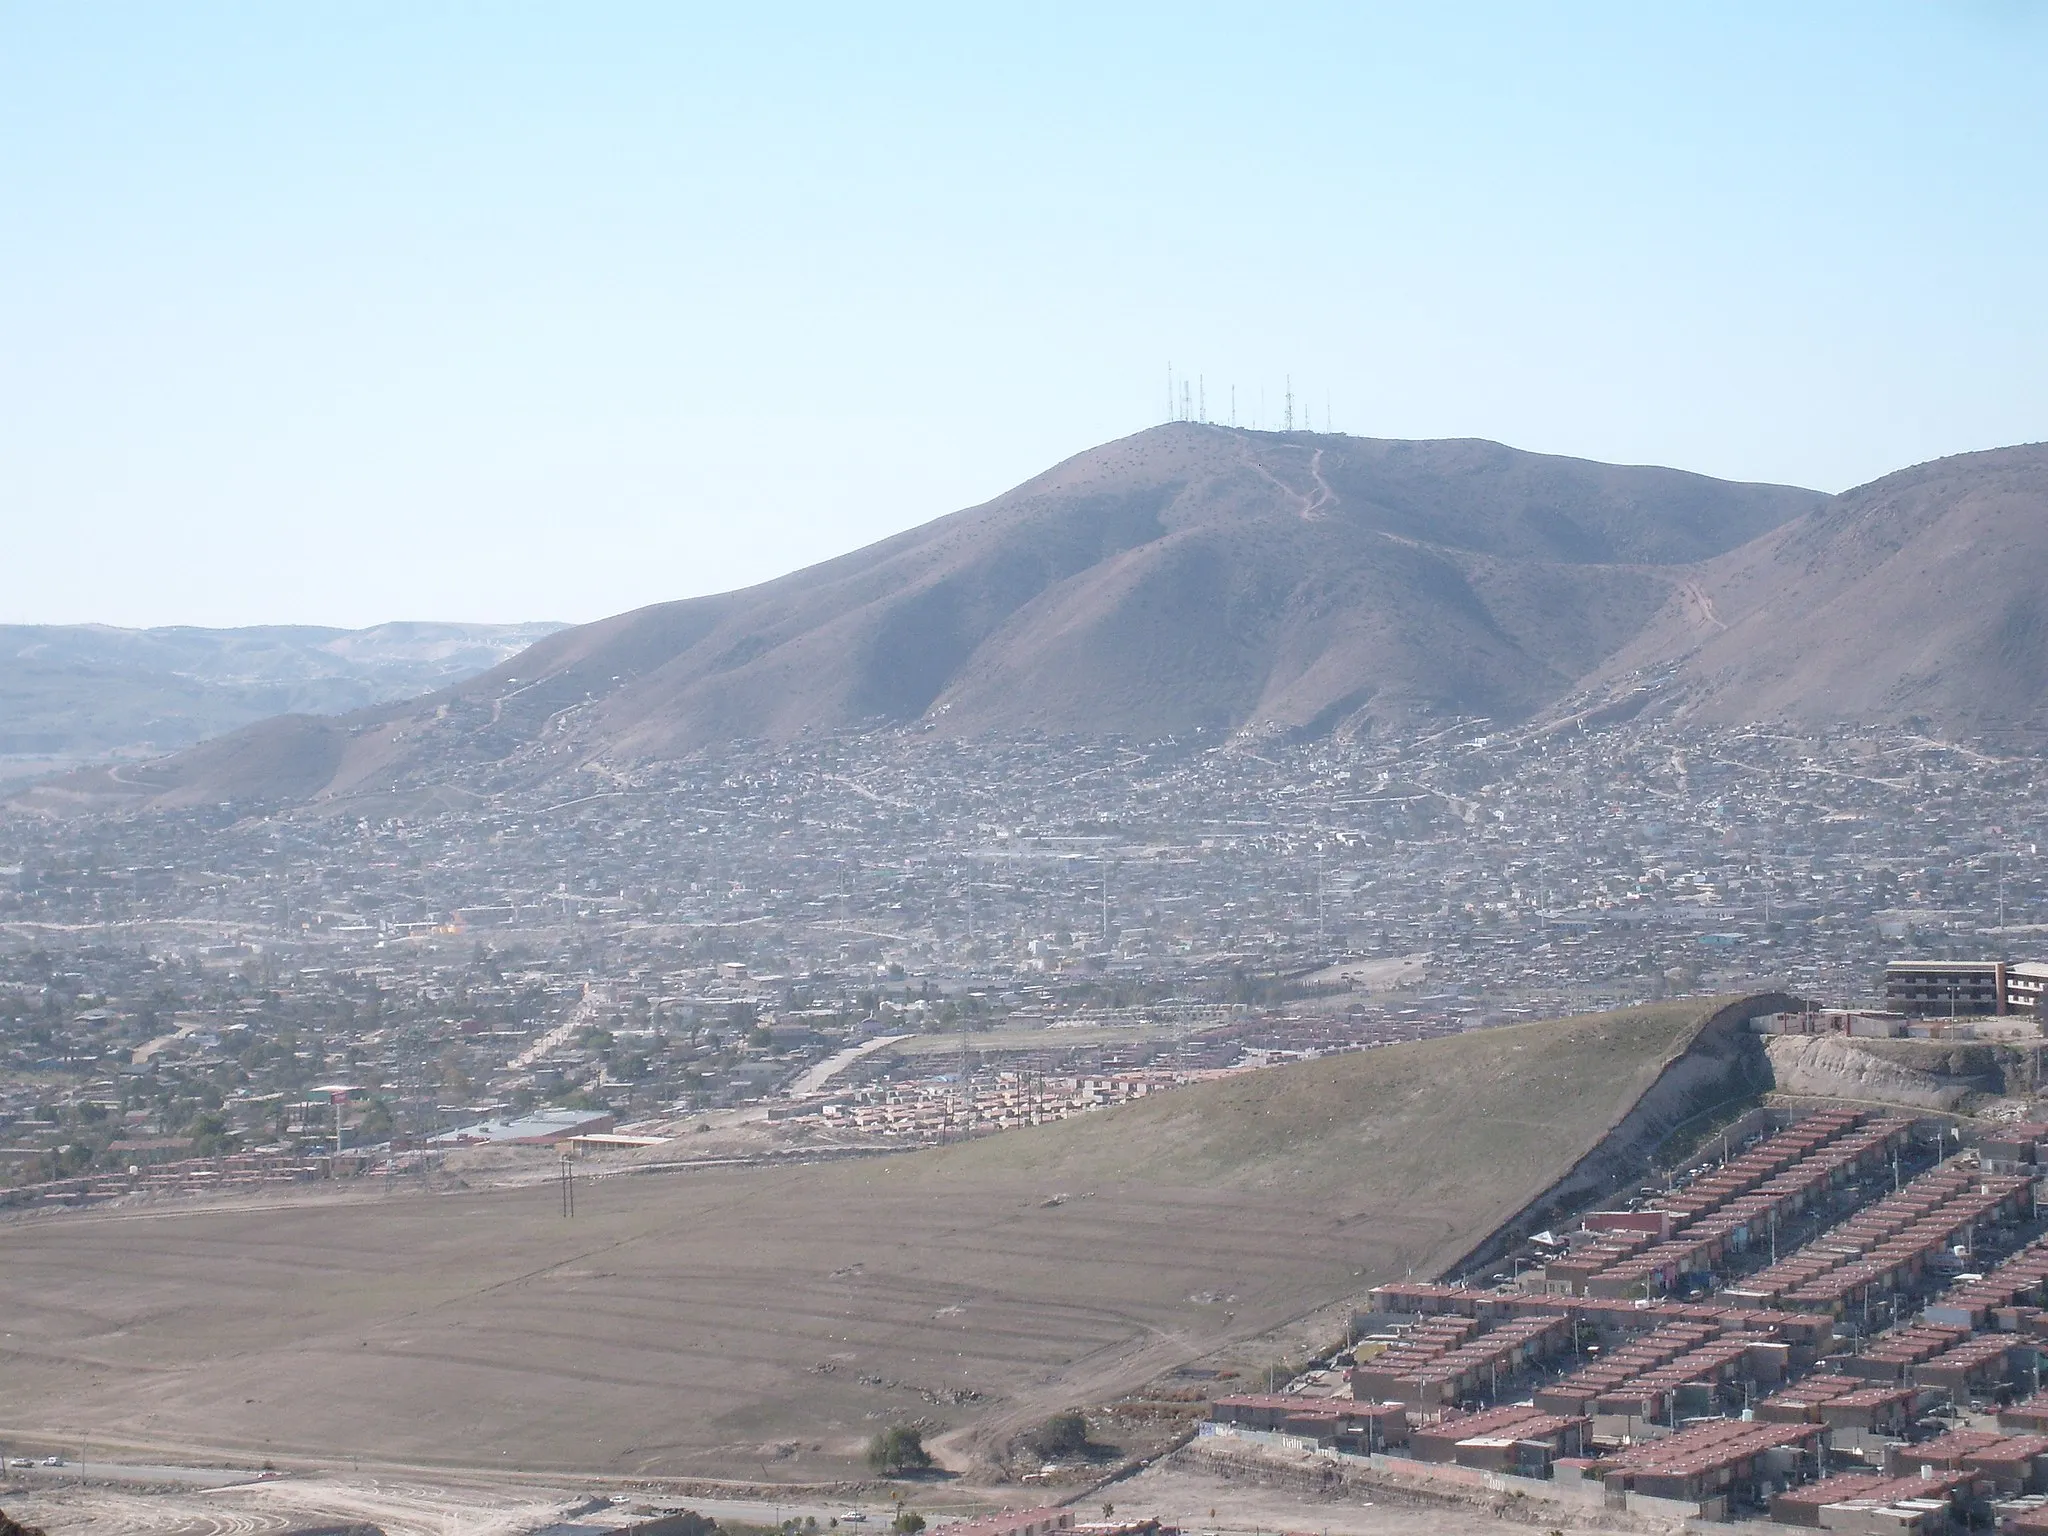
(1834, 1067)
(1721, 1066)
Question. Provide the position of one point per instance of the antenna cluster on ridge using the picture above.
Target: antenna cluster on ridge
(1188, 400)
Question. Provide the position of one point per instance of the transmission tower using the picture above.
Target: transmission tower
(1289, 417)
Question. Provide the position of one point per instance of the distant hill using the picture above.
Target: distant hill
(1189, 577)
(73, 693)
(1921, 597)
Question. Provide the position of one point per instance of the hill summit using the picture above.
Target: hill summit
(1191, 577)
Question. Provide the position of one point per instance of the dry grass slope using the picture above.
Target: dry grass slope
(764, 1322)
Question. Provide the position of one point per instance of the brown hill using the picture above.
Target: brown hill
(1916, 598)
(1188, 577)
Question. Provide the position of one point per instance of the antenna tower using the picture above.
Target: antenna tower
(1202, 397)
(1169, 391)
(1289, 417)
(1233, 405)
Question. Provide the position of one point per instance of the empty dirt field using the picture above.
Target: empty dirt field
(762, 1323)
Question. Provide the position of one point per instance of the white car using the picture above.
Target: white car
(854, 1517)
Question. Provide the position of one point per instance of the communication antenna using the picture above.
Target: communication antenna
(1187, 401)
(1233, 405)
(1169, 391)
(1202, 398)
(1289, 417)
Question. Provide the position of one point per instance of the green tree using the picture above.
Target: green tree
(908, 1522)
(209, 1132)
(1064, 1434)
(376, 1124)
(899, 1449)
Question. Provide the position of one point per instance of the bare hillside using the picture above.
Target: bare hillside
(762, 1322)
(1916, 598)
(1190, 577)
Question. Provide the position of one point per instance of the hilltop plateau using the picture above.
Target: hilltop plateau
(761, 1323)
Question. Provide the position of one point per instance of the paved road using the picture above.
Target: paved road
(132, 1472)
(750, 1511)
(832, 1066)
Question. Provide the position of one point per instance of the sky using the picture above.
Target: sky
(342, 313)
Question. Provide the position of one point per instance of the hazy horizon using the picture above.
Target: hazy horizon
(424, 313)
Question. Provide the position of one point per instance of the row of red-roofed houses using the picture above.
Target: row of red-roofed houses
(1656, 1378)
(1727, 1211)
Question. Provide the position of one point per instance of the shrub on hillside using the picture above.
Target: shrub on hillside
(899, 1449)
(1064, 1434)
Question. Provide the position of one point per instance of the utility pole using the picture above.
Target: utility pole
(568, 1183)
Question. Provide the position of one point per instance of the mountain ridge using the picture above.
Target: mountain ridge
(1914, 598)
(1187, 578)
(82, 692)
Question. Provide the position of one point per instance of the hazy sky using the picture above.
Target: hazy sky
(345, 312)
